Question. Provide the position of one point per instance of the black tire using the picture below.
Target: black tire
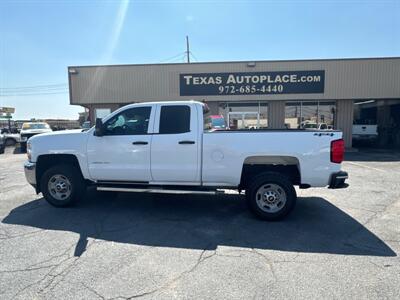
(10, 142)
(23, 146)
(77, 185)
(277, 180)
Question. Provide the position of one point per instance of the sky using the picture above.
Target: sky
(40, 39)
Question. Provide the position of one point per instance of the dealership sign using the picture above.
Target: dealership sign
(7, 110)
(252, 83)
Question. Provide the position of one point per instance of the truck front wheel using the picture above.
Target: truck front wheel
(62, 185)
(271, 196)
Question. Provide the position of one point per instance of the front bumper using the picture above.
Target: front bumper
(338, 180)
(30, 173)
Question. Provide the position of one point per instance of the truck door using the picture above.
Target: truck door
(175, 146)
(123, 152)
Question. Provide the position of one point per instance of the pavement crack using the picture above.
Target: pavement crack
(26, 270)
(49, 281)
(202, 257)
(92, 290)
(268, 261)
(8, 236)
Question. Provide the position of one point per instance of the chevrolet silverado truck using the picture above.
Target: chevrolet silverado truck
(162, 147)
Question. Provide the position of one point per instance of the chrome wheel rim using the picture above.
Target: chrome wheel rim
(59, 187)
(271, 197)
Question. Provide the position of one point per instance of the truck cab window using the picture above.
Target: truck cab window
(174, 119)
(134, 121)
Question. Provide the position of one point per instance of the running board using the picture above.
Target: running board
(158, 191)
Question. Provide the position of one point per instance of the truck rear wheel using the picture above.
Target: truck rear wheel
(62, 185)
(271, 196)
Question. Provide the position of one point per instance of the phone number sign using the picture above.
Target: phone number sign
(252, 83)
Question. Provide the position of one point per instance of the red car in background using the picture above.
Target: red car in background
(215, 122)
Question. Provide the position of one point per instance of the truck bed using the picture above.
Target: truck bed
(226, 151)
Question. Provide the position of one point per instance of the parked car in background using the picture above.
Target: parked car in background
(315, 126)
(2, 143)
(214, 122)
(11, 137)
(30, 129)
(86, 125)
(323, 126)
(308, 125)
(163, 147)
(365, 132)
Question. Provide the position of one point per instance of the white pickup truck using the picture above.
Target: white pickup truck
(30, 129)
(162, 147)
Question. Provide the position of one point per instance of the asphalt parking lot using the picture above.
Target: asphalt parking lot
(336, 244)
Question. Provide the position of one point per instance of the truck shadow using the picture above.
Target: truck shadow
(203, 222)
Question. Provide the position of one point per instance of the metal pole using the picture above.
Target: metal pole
(187, 50)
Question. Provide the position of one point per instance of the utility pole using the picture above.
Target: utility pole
(187, 50)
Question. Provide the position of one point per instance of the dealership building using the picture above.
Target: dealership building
(325, 93)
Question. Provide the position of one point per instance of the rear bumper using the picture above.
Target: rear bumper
(30, 173)
(338, 179)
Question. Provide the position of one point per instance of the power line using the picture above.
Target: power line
(179, 55)
(60, 85)
(33, 90)
(32, 94)
(195, 58)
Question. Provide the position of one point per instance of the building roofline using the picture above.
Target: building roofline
(240, 62)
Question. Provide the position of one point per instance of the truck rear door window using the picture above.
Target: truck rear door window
(174, 119)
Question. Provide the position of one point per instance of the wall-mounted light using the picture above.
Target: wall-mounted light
(251, 64)
(72, 71)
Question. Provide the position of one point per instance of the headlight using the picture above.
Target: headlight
(28, 150)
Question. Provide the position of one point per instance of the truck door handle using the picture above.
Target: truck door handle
(140, 143)
(186, 142)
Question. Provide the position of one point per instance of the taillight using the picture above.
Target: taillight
(337, 151)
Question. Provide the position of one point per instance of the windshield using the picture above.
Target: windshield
(35, 126)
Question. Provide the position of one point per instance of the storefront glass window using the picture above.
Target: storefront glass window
(263, 115)
(310, 115)
(252, 115)
(293, 114)
(102, 112)
(326, 113)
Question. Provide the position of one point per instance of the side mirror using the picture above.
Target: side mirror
(98, 128)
